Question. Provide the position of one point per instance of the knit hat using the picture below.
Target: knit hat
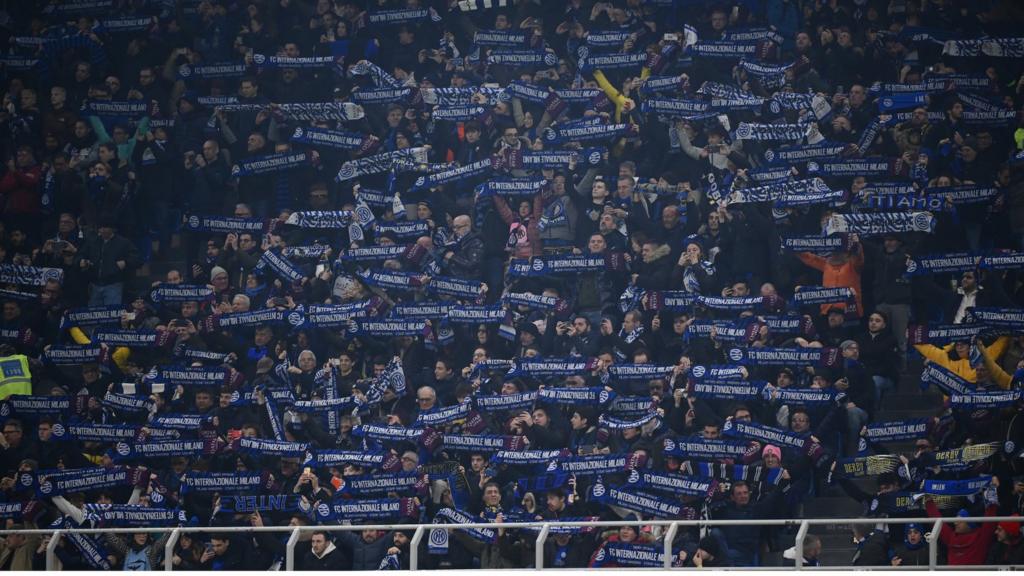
(1011, 528)
(770, 449)
(217, 271)
(710, 545)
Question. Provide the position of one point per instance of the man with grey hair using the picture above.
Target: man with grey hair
(464, 256)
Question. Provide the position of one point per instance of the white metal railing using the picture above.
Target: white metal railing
(544, 528)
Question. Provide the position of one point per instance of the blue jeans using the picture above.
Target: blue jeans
(882, 384)
(109, 295)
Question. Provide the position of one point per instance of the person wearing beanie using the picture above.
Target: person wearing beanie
(967, 544)
(913, 550)
(1008, 549)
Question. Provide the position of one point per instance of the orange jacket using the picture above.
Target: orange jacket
(846, 275)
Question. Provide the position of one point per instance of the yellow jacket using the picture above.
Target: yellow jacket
(613, 93)
(962, 367)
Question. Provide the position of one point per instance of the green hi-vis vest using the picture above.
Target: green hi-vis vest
(15, 379)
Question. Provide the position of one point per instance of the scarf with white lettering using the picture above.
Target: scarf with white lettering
(611, 61)
(525, 457)
(875, 166)
(323, 459)
(549, 367)
(90, 548)
(673, 483)
(816, 244)
(402, 16)
(985, 400)
(127, 403)
(880, 223)
(160, 449)
(766, 434)
(945, 379)
(269, 163)
(482, 443)
(765, 132)
(336, 139)
(261, 447)
(626, 497)
(80, 480)
(785, 356)
(180, 293)
(968, 487)
(631, 555)
(29, 275)
(210, 71)
(453, 516)
(131, 109)
(280, 266)
(505, 402)
(811, 152)
(224, 224)
(598, 464)
(222, 482)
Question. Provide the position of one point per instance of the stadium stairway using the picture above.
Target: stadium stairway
(907, 401)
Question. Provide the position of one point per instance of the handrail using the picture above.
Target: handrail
(414, 547)
(172, 541)
(537, 525)
(544, 527)
(798, 546)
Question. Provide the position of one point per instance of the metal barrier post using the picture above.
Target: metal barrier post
(538, 561)
(414, 548)
(933, 544)
(798, 545)
(172, 541)
(51, 551)
(289, 550)
(669, 537)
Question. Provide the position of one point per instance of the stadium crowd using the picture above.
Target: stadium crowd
(289, 263)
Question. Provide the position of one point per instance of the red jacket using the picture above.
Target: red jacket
(969, 549)
(20, 190)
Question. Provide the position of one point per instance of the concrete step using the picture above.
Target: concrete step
(832, 507)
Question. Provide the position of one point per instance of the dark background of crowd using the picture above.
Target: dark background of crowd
(106, 200)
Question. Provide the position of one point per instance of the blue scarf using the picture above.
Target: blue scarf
(967, 487)
(727, 390)
(635, 501)
(160, 449)
(586, 133)
(897, 430)
(984, 400)
(373, 253)
(696, 447)
(633, 555)
(307, 111)
(453, 516)
(236, 504)
(544, 368)
(969, 194)
(89, 547)
(179, 421)
(482, 443)
(471, 170)
(82, 480)
(675, 300)
(816, 244)
(811, 152)
(505, 402)
(765, 434)
(524, 457)
(523, 57)
(593, 396)
(595, 465)
(637, 372)
(74, 355)
(337, 139)
(279, 265)
(402, 16)
(127, 403)
(92, 316)
(1009, 318)
(269, 163)
(511, 187)
(179, 293)
(784, 356)
(210, 71)
(466, 314)
(1005, 260)
(322, 459)
(878, 167)
(260, 447)
(611, 61)
(29, 275)
(378, 483)
(722, 49)
(821, 295)
(499, 38)
(131, 109)
(33, 405)
(941, 264)
(945, 379)
(909, 202)
(673, 483)
(223, 481)
(224, 224)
